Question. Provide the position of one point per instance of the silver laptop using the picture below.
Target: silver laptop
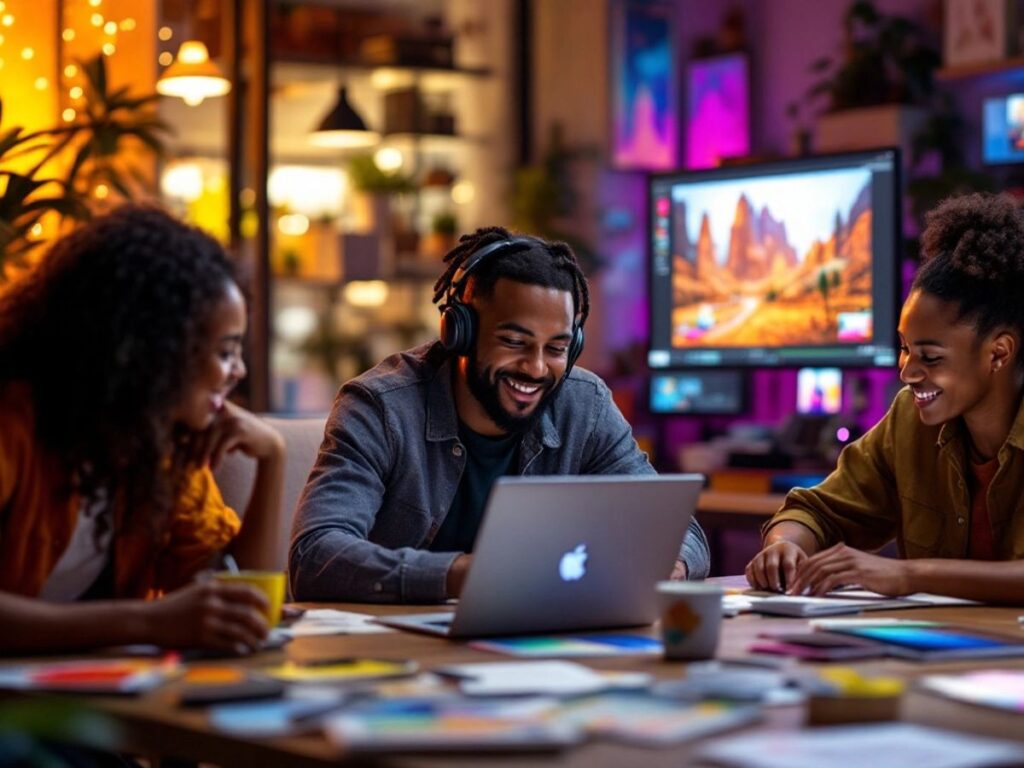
(568, 553)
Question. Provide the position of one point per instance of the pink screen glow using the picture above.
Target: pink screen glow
(718, 119)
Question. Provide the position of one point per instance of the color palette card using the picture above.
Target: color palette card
(342, 670)
(297, 713)
(646, 720)
(446, 725)
(582, 646)
(103, 676)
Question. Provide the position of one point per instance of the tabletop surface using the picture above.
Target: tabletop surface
(153, 723)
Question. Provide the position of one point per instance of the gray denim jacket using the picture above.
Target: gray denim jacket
(391, 462)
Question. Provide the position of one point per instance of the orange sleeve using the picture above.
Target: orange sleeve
(200, 526)
(16, 440)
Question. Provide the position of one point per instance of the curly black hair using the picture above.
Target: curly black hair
(547, 264)
(973, 247)
(107, 332)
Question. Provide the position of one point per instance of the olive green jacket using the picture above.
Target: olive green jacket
(909, 481)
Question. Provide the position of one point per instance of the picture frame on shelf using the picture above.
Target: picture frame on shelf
(977, 31)
(718, 110)
(643, 78)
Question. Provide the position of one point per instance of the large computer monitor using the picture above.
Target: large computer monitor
(791, 263)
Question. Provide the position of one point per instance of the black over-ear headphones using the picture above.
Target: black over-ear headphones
(459, 321)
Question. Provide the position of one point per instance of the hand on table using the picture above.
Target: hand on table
(679, 571)
(841, 565)
(457, 573)
(775, 567)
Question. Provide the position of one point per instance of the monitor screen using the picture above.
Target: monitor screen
(1003, 129)
(790, 263)
(819, 390)
(700, 391)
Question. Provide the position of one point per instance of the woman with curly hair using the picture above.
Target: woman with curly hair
(943, 472)
(117, 355)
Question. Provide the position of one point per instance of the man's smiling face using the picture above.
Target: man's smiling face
(521, 351)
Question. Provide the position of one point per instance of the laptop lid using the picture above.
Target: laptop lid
(574, 552)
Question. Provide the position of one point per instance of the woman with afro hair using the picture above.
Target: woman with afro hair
(117, 355)
(943, 472)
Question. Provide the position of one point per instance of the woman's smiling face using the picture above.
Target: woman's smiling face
(943, 360)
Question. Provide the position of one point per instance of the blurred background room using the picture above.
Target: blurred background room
(743, 180)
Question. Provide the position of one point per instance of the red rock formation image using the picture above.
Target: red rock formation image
(763, 293)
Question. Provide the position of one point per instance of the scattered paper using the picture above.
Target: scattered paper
(546, 678)
(650, 721)
(327, 621)
(998, 688)
(890, 745)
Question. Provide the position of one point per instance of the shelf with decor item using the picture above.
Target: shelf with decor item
(412, 117)
(1011, 66)
(370, 68)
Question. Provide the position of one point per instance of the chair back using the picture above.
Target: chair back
(235, 476)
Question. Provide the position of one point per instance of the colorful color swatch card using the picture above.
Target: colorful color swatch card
(342, 670)
(581, 646)
(647, 720)
(453, 724)
(104, 676)
(280, 717)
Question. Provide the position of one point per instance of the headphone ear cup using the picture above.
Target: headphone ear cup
(575, 348)
(458, 328)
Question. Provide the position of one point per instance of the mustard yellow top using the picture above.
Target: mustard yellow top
(910, 481)
(38, 514)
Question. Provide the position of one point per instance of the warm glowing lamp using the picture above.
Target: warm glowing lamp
(343, 127)
(192, 76)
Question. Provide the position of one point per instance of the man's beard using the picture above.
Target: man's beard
(486, 393)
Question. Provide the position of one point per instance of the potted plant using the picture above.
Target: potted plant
(877, 90)
(29, 196)
(95, 145)
(441, 238)
(102, 137)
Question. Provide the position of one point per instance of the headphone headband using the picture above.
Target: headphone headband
(478, 256)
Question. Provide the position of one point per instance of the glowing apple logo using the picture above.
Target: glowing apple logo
(573, 565)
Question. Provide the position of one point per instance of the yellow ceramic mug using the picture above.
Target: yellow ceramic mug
(270, 583)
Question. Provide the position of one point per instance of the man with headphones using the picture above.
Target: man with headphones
(412, 447)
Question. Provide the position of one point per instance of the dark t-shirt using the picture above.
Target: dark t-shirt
(487, 459)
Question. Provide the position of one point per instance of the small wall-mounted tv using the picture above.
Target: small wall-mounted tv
(819, 391)
(698, 392)
(1002, 121)
(791, 263)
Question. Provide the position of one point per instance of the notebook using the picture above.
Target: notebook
(568, 553)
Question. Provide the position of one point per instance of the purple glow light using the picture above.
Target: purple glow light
(718, 120)
(842, 434)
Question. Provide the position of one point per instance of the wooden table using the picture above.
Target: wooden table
(152, 724)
